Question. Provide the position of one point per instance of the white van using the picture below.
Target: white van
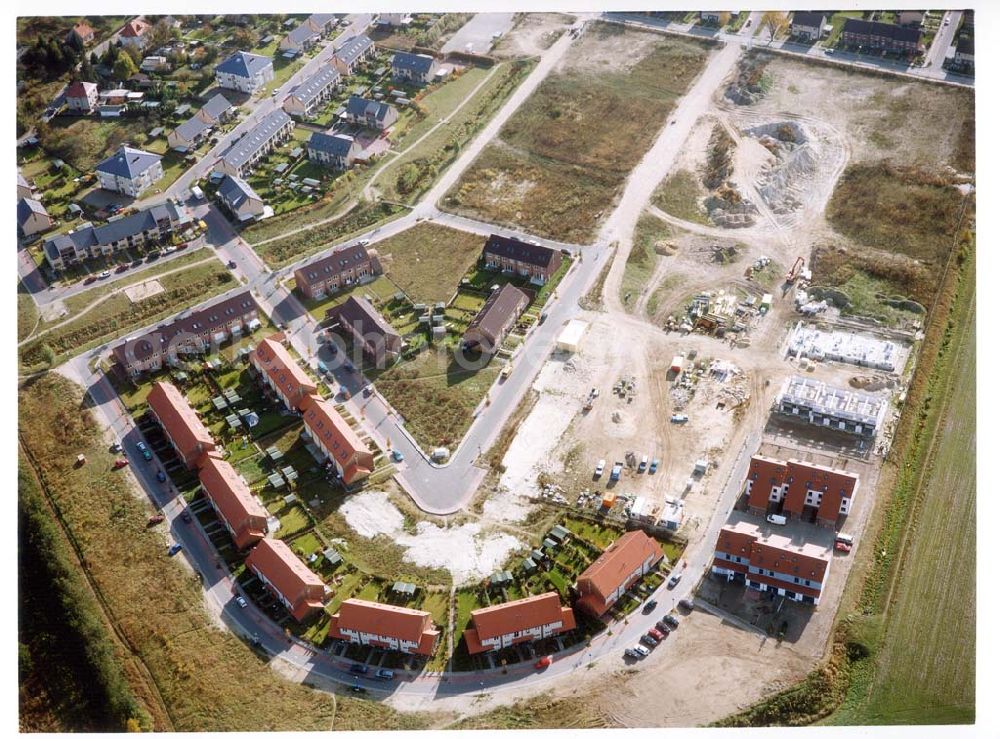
(197, 193)
(777, 520)
(846, 539)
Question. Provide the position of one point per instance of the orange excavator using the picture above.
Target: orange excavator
(793, 273)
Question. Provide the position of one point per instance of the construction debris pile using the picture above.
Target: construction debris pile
(794, 161)
(751, 84)
(721, 311)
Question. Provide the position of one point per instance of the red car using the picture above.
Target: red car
(655, 634)
(121, 268)
(119, 463)
(543, 662)
(90, 278)
(842, 547)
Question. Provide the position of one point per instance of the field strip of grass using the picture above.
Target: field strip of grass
(208, 678)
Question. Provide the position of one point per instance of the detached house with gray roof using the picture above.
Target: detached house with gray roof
(311, 94)
(240, 199)
(147, 227)
(808, 25)
(32, 218)
(244, 72)
(242, 157)
(129, 171)
(353, 52)
(24, 188)
(370, 113)
(339, 151)
(416, 68)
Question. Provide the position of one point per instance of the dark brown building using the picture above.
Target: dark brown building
(495, 319)
(536, 262)
(359, 320)
(351, 265)
(873, 36)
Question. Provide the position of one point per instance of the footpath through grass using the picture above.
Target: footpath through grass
(208, 679)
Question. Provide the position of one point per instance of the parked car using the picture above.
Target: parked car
(383, 674)
(566, 251)
(841, 546)
(397, 456)
(173, 550)
(541, 318)
(364, 242)
(845, 539)
(121, 268)
(599, 469)
(119, 463)
(169, 249)
(643, 463)
(89, 279)
(648, 640)
(654, 465)
(776, 519)
(656, 634)
(366, 391)
(116, 447)
(667, 623)
(641, 650)
(674, 579)
(359, 669)
(507, 369)
(616, 471)
(679, 418)
(650, 605)
(630, 652)
(543, 662)
(136, 262)
(146, 454)
(161, 475)
(686, 604)
(105, 274)
(241, 601)
(186, 516)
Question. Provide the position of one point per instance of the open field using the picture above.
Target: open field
(286, 249)
(27, 314)
(406, 178)
(557, 166)
(678, 196)
(641, 264)
(428, 261)
(435, 396)
(117, 315)
(207, 678)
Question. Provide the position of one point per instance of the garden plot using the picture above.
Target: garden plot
(372, 514)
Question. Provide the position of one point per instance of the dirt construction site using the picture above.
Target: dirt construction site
(619, 397)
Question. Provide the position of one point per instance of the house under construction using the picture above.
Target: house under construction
(721, 311)
(841, 346)
(818, 404)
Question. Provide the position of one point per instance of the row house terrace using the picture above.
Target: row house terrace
(240, 512)
(343, 268)
(517, 622)
(536, 262)
(190, 335)
(331, 432)
(184, 430)
(282, 373)
(404, 630)
(618, 568)
(244, 155)
(801, 489)
(287, 577)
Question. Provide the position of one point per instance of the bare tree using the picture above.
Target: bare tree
(775, 21)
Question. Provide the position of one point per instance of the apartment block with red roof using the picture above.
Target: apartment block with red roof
(181, 425)
(333, 434)
(240, 512)
(607, 579)
(771, 563)
(519, 621)
(405, 630)
(802, 489)
(282, 373)
(297, 587)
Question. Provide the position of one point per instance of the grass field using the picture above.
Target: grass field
(428, 261)
(649, 230)
(678, 196)
(117, 315)
(208, 679)
(435, 396)
(27, 314)
(561, 160)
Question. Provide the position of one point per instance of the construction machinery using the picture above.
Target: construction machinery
(793, 273)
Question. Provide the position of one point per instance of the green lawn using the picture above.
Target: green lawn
(435, 395)
(27, 314)
(641, 263)
(380, 288)
(837, 21)
(678, 196)
(428, 260)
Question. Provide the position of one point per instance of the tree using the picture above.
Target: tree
(246, 38)
(724, 18)
(774, 21)
(124, 67)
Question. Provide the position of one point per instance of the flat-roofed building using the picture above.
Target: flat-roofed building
(298, 588)
(384, 626)
(771, 562)
(518, 621)
(815, 402)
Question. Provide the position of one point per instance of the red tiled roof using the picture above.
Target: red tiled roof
(78, 89)
(405, 624)
(233, 500)
(338, 438)
(613, 568)
(83, 29)
(287, 574)
(736, 543)
(517, 615)
(764, 473)
(273, 358)
(835, 485)
(186, 431)
(135, 28)
(788, 562)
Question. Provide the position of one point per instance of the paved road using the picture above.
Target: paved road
(943, 40)
(476, 36)
(789, 47)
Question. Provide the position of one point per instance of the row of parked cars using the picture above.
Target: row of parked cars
(616, 469)
(150, 257)
(657, 633)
